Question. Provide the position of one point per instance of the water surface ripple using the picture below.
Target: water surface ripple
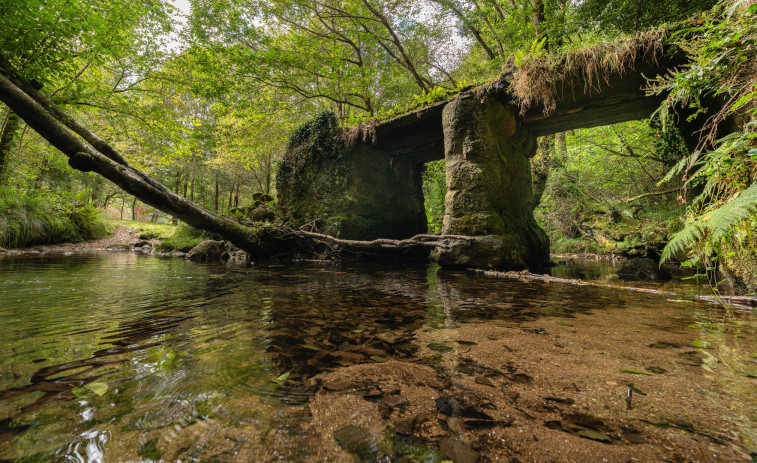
(275, 363)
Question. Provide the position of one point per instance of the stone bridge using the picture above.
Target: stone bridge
(373, 189)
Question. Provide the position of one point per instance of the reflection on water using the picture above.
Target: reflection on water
(210, 362)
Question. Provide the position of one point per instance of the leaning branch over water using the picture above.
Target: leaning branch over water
(88, 153)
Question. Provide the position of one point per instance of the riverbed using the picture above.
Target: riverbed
(114, 357)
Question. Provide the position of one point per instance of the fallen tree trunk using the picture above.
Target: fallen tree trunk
(88, 153)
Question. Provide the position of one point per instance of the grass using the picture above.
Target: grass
(145, 230)
(45, 218)
(538, 79)
(183, 239)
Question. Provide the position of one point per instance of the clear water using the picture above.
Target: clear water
(207, 362)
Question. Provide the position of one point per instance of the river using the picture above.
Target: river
(122, 357)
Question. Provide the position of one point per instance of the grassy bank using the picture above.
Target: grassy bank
(34, 218)
(145, 230)
(183, 239)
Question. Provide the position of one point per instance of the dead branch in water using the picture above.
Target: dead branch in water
(743, 302)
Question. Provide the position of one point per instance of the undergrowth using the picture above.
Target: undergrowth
(183, 239)
(145, 230)
(44, 218)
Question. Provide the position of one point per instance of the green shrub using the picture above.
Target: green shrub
(147, 235)
(44, 218)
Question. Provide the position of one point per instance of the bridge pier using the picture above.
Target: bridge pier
(487, 151)
(357, 192)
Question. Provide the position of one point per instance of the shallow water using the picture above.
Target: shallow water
(226, 363)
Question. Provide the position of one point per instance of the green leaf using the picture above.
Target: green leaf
(80, 392)
(98, 388)
(283, 377)
(308, 346)
(635, 372)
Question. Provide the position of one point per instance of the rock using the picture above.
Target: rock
(458, 451)
(362, 444)
(178, 254)
(262, 197)
(207, 251)
(142, 243)
(739, 262)
(119, 247)
(642, 269)
(448, 405)
(490, 251)
(262, 213)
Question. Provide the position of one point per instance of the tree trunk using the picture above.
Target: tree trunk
(216, 196)
(541, 165)
(231, 194)
(10, 128)
(537, 16)
(134, 209)
(121, 217)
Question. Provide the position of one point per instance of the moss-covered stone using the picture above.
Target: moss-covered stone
(208, 250)
(489, 187)
(353, 193)
(738, 262)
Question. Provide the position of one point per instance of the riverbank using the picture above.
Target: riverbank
(120, 236)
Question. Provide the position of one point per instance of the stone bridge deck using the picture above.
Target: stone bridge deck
(619, 97)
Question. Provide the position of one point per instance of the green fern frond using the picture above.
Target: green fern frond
(714, 224)
(681, 241)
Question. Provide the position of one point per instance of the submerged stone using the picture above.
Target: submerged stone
(642, 269)
(362, 444)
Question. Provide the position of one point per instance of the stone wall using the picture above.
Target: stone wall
(487, 153)
(352, 193)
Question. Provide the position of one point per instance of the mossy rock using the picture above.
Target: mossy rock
(355, 192)
(642, 269)
(208, 250)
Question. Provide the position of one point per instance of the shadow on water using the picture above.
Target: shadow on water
(227, 352)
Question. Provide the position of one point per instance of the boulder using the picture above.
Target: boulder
(208, 250)
(642, 269)
(262, 213)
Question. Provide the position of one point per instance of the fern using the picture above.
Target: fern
(714, 224)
